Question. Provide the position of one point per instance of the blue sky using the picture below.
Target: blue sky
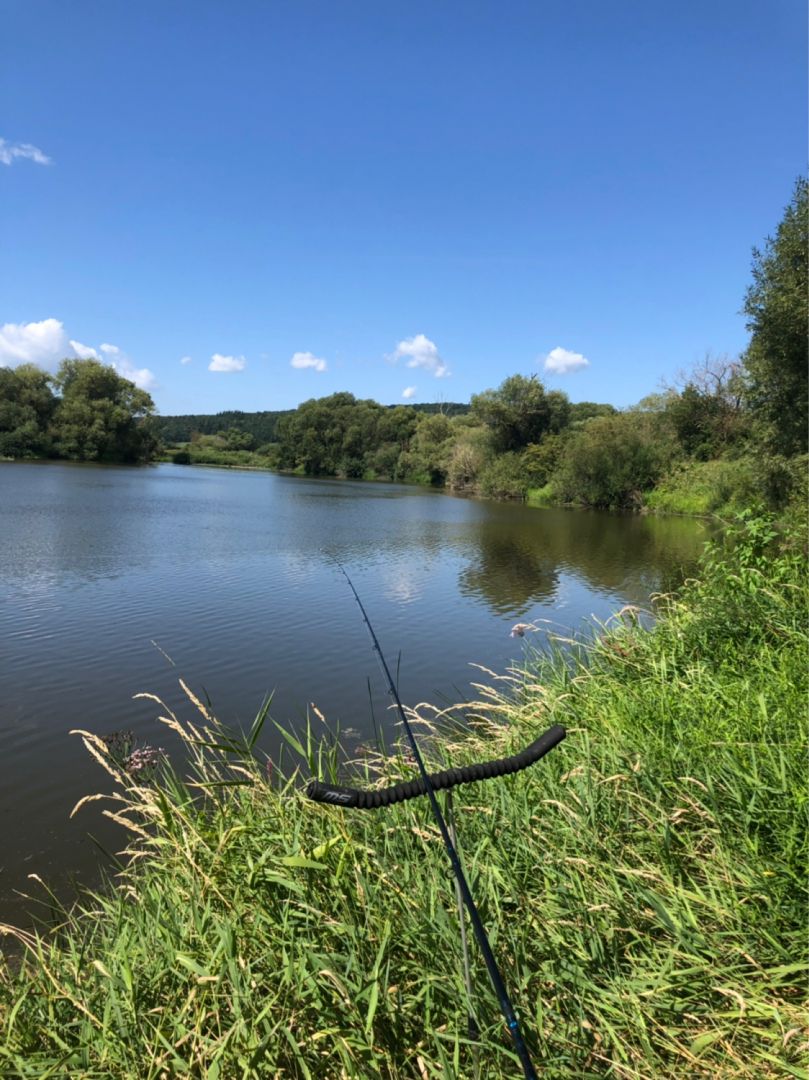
(416, 198)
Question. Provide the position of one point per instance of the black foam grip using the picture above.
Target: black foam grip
(354, 798)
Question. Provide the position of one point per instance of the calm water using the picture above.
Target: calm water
(230, 575)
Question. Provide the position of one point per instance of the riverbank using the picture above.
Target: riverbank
(718, 488)
(644, 886)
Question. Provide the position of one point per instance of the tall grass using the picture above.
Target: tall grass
(724, 486)
(644, 886)
(209, 455)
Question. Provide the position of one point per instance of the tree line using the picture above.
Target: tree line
(262, 427)
(522, 437)
(340, 435)
(259, 427)
(86, 412)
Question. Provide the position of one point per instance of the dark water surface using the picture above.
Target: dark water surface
(229, 573)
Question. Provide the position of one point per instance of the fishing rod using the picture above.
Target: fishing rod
(428, 784)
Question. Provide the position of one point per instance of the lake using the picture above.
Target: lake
(120, 580)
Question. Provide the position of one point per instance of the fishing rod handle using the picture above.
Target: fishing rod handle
(354, 798)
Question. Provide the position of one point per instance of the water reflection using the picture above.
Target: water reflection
(63, 525)
(517, 555)
(508, 571)
(233, 574)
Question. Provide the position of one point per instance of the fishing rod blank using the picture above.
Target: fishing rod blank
(553, 736)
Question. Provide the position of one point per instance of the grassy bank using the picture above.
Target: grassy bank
(644, 885)
(720, 488)
(228, 459)
(726, 485)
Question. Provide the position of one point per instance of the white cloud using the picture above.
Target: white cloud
(43, 343)
(84, 352)
(561, 361)
(227, 363)
(185, 360)
(422, 353)
(142, 377)
(408, 392)
(117, 358)
(303, 360)
(10, 152)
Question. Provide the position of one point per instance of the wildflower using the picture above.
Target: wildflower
(145, 757)
(119, 745)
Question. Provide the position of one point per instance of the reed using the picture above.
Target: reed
(644, 886)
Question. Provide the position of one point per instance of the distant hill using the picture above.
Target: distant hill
(263, 426)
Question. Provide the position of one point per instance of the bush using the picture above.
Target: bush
(727, 485)
(612, 460)
(181, 457)
(780, 480)
(466, 460)
(539, 460)
(503, 478)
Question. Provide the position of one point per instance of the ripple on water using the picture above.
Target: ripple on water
(233, 575)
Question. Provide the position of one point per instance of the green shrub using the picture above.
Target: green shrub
(543, 496)
(540, 460)
(466, 461)
(503, 477)
(728, 485)
(612, 460)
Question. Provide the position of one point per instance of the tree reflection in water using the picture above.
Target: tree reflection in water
(509, 573)
(518, 555)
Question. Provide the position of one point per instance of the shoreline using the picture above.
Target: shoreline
(527, 501)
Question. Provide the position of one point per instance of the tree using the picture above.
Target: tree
(235, 439)
(427, 459)
(397, 425)
(696, 418)
(539, 460)
(612, 460)
(582, 411)
(777, 309)
(101, 416)
(26, 407)
(330, 436)
(520, 412)
(468, 455)
(706, 406)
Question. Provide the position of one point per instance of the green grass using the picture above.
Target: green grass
(266, 458)
(726, 486)
(543, 496)
(705, 487)
(233, 459)
(644, 886)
